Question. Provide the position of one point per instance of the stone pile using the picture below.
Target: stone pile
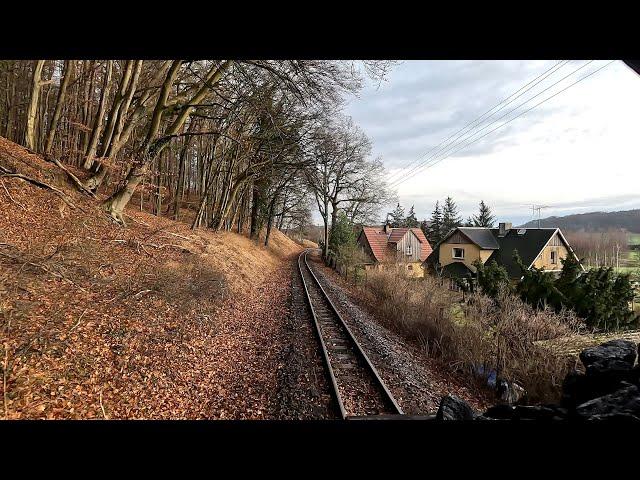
(608, 390)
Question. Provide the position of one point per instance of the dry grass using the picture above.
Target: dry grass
(476, 332)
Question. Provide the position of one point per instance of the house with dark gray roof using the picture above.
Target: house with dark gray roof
(455, 255)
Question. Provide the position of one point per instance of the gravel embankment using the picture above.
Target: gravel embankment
(416, 381)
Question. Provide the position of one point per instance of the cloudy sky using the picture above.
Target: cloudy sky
(576, 153)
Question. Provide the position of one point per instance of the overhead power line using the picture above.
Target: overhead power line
(425, 166)
(557, 66)
(472, 133)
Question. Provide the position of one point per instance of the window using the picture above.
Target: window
(458, 253)
(554, 257)
(408, 250)
(409, 267)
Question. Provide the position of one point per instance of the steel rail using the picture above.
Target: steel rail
(358, 351)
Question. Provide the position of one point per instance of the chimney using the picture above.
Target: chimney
(503, 228)
(387, 225)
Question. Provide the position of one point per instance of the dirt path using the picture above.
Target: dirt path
(416, 381)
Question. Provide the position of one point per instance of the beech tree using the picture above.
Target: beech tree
(32, 112)
(68, 72)
(217, 143)
(341, 177)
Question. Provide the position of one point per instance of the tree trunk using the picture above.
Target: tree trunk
(114, 144)
(325, 251)
(115, 108)
(32, 111)
(255, 201)
(116, 203)
(68, 73)
(270, 219)
(181, 175)
(11, 107)
(97, 125)
(158, 207)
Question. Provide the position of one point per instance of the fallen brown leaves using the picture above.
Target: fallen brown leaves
(151, 321)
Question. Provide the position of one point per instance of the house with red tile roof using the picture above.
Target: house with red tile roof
(393, 246)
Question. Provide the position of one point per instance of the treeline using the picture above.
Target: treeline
(443, 219)
(599, 249)
(220, 143)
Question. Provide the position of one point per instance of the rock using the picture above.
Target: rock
(624, 401)
(614, 354)
(501, 412)
(541, 412)
(526, 412)
(616, 417)
(578, 388)
(486, 419)
(607, 366)
(454, 408)
(635, 375)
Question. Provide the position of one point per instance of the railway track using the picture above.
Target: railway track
(357, 386)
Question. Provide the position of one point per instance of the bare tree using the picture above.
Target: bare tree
(32, 112)
(343, 176)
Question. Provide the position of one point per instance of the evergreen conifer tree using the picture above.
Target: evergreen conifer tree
(424, 226)
(411, 221)
(450, 217)
(434, 234)
(397, 217)
(485, 217)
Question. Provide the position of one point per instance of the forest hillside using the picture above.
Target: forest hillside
(103, 321)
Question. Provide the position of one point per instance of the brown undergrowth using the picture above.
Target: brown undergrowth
(476, 332)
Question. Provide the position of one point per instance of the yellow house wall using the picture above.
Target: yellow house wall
(471, 253)
(544, 259)
(485, 254)
(417, 271)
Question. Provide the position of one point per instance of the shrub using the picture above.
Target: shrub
(480, 332)
(603, 299)
(599, 296)
(492, 278)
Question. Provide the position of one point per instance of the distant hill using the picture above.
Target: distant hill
(594, 221)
